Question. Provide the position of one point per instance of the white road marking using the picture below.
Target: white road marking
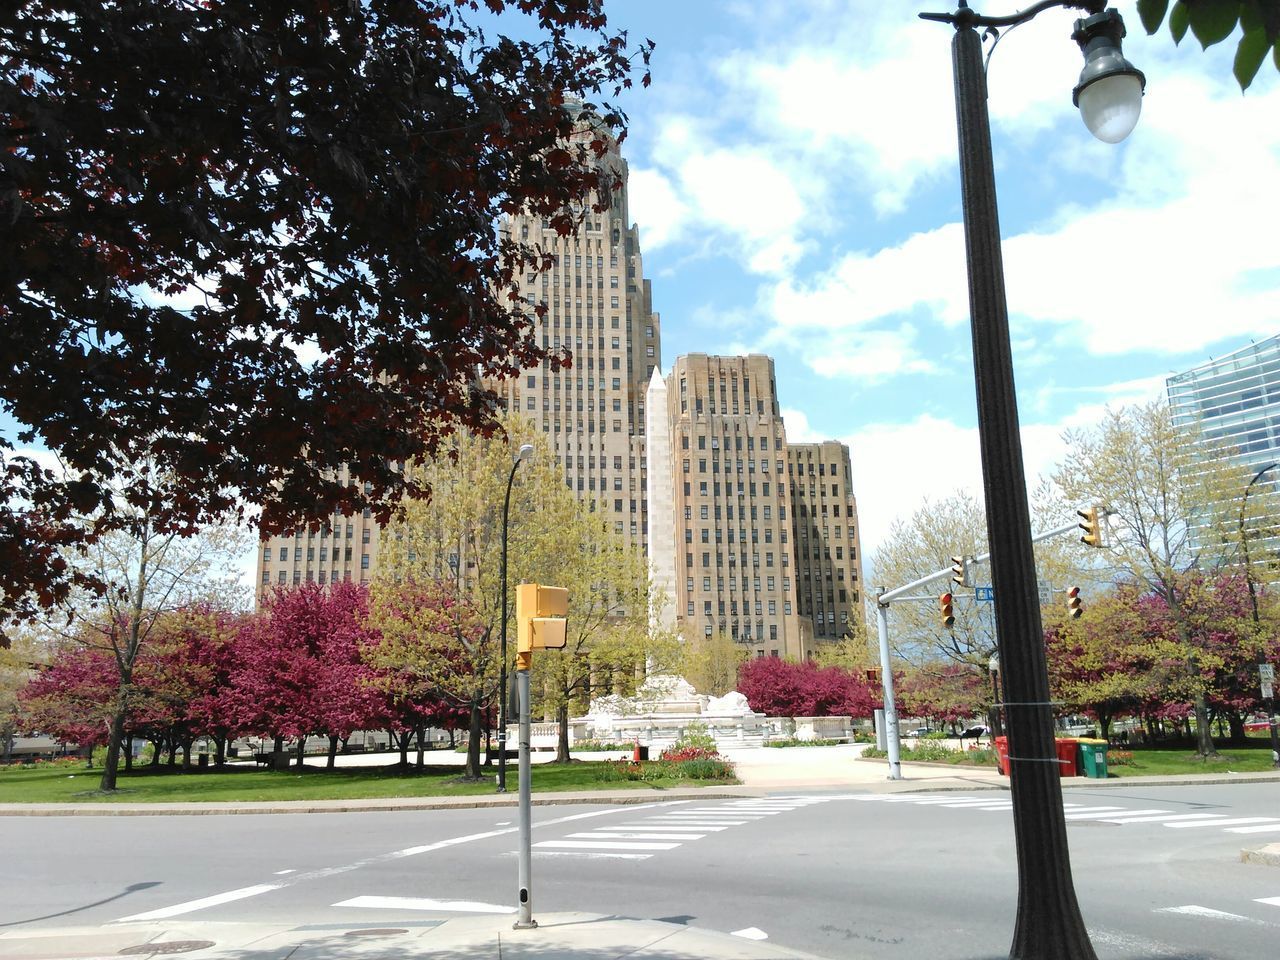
(281, 873)
(1195, 910)
(1163, 819)
(422, 903)
(325, 872)
(503, 823)
(1269, 901)
(666, 826)
(603, 845)
(588, 855)
(180, 908)
(1223, 823)
(751, 933)
(1083, 810)
(716, 820)
(602, 835)
(1095, 815)
(1273, 828)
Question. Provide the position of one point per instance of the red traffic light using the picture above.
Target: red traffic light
(944, 607)
(1075, 606)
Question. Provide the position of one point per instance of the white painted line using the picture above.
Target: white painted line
(1094, 815)
(665, 826)
(503, 823)
(697, 823)
(601, 835)
(422, 903)
(1195, 910)
(1269, 901)
(191, 905)
(972, 805)
(584, 855)
(1164, 819)
(281, 873)
(603, 845)
(1111, 810)
(751, 933)
(1273, 828)
(932, 801)
(995, 806)
(1224, 823)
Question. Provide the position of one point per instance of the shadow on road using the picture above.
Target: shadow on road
(131, 888)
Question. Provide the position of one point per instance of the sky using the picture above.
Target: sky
(794, 175)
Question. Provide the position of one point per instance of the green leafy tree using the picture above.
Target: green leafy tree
(1172, 498)
(711, 663)
(1213, 21)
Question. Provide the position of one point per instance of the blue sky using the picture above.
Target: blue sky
(794, 177)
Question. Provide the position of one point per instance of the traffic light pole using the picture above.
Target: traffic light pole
(524, 919)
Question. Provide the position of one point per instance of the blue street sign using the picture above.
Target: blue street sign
(984, 594)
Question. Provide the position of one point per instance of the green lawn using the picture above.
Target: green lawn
(1149, 761)
(73, 783)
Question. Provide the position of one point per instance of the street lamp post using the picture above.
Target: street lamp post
(1109, 94)
(1253, 602)
(525, 452)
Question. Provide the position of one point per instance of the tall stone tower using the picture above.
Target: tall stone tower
(599, 305)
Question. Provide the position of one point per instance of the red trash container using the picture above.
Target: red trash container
(1002, 753)
(1068, 756)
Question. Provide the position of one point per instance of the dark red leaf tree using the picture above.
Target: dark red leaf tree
(780, 688)
(246, 243)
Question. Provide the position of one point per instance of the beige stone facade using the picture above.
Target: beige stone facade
(343, 549)
(733, 561)
(599, 305)
(825, 535)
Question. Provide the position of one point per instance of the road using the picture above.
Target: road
(836, 874)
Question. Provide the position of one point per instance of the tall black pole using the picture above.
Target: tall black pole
(502, 681)
(1274, 720)
(1048, 925)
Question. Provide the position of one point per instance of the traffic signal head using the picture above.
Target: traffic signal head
(1075, 606)
(540, 619)
(961, 575)
(1092, 526)
(946, 611)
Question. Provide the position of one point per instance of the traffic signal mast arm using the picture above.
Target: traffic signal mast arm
(900, 593)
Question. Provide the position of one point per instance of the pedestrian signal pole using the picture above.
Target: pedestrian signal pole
(540, 625)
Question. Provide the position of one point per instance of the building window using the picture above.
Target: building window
(364, 561)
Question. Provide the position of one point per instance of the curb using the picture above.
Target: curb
(386, 805)
(1268, 855)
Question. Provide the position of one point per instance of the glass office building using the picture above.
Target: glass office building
(1235, 402)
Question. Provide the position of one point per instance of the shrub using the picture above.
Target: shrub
(793, 742)
(700, 769)
(695, 735)
(679, 754)
(599, 746)
(1120, 758)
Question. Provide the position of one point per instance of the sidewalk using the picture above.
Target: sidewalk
(558, 936)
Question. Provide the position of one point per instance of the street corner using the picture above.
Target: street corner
(1267, 855)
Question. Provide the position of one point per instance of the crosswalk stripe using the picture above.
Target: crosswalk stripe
(1094, 815)
(1269, 901)
(1223, 823)
(1161, 818)
(1083, 810)
(592, 854)
(423, 903)
(604, 845)
(1271, 828)
(636, 836)
(671, 826)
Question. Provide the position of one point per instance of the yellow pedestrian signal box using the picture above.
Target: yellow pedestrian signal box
(540, 619)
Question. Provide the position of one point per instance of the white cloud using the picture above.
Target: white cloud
(665, 214)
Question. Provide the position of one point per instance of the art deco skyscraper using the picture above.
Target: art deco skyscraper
(599, 305)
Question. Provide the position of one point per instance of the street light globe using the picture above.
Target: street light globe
(1109, 93)
(1110, 106)
(525, 452)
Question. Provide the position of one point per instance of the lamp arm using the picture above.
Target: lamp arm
(965, 17)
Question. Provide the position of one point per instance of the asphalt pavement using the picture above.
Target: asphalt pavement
(845, 865)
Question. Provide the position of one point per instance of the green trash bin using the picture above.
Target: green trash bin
(1093, 758)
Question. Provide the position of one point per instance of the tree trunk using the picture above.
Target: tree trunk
(403, 742)
(112, 761)
(453, 739)
(157, 751)
(332, 760)
(172, 743)
(472, 769)
(220, 751)
(126, 748)
(302, 749)
(1235, 723)
(1204, 732)
(562, 732)
(277, 745)
(186, 754)
(421, 735)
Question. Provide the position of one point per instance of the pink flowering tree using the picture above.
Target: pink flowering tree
(781, 688)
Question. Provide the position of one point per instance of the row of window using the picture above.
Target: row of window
(737, 445)
(733, 608)
(755, 559)
(282, 574)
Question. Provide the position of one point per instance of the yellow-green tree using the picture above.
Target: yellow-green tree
(455, 539)
(711, 663)
(1173, 501)
(612, 629)
(27, 650)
